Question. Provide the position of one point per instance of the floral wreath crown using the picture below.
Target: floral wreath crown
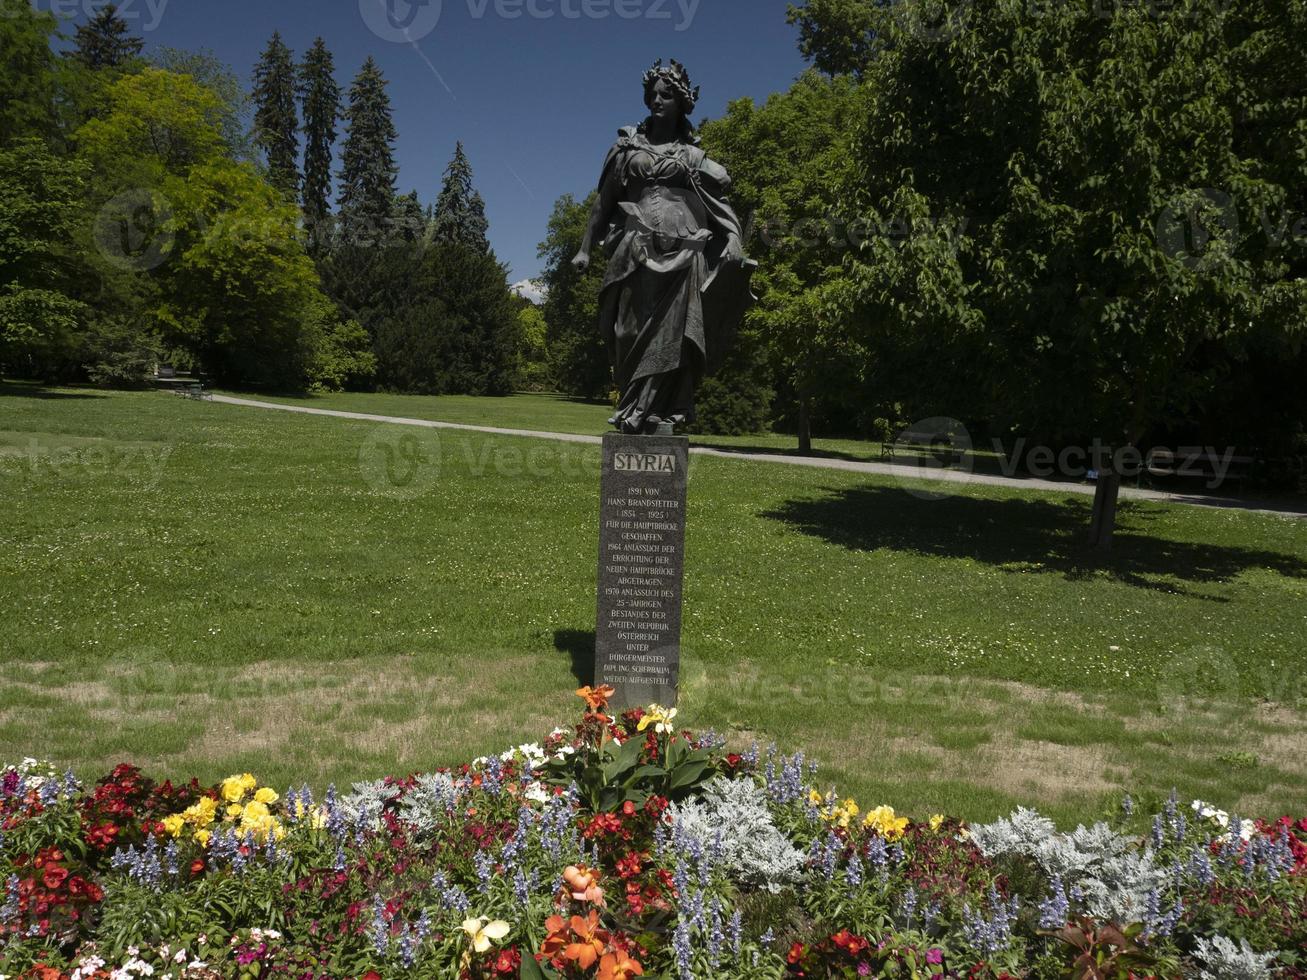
(677, 77)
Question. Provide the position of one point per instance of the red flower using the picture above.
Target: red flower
(54, 877)
(508, 963)
(851, 944)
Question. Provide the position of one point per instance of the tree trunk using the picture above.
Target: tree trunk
(805, 428)
(1103, 523)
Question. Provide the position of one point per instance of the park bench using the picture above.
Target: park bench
(1196, 463)
(939, 443)
(181, 383)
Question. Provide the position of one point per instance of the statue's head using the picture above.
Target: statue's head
(667, 90)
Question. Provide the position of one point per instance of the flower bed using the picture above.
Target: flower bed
(620, 848)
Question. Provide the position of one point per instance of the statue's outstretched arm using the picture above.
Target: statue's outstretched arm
(601, 216)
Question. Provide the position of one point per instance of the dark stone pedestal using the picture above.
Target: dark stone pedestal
(641, 562)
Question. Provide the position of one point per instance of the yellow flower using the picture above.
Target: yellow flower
(884, 822)
(254, 811)
(201, 812)
(483, 933)
(174, 824)
(936, 821)
(203, 837)
(234, 811)
(234, 787)
(262, 826)
(266, 795)
(660, 718)
(842, 814)
(815, 798)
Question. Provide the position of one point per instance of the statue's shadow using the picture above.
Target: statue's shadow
(580, 646)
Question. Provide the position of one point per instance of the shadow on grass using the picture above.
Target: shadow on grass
(32, 390)
(1021, 535)
(580, 645)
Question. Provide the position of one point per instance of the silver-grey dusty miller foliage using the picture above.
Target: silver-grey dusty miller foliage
(1115, 877)
(1223, 960)
(752, 849)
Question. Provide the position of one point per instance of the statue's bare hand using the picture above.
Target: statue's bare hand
(734, 249)
(582, 261)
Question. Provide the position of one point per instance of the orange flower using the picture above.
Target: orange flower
(583, 884)
(556, 941)
(618, 966)
(596, 698)
(592, 938)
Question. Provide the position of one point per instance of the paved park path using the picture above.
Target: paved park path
(898, 470)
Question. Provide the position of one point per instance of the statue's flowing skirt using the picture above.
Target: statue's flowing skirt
(652, 314)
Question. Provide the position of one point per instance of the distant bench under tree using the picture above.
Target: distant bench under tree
(181, 383)
(1196, 463)
(939, 443)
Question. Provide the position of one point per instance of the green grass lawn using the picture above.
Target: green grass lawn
(204, 588)
(547, 413)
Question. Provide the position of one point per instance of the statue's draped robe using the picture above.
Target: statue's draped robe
(657, 308)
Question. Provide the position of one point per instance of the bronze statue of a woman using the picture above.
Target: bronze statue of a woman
(677, 282)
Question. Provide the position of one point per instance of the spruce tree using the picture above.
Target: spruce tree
(320, 101)
(275, 121)
(103, 42)
(410, 218)
(367, 175)
(460, 212)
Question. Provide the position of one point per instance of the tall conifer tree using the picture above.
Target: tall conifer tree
(320, 101)
(103, 42)
(275, 121)
(460, 212)
(367, 175)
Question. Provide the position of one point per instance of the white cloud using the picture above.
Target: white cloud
(531, 289)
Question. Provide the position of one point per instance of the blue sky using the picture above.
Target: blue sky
(535, 89)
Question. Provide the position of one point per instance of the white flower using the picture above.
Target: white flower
(532, 751)
(536, 793)
(1209, 812)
